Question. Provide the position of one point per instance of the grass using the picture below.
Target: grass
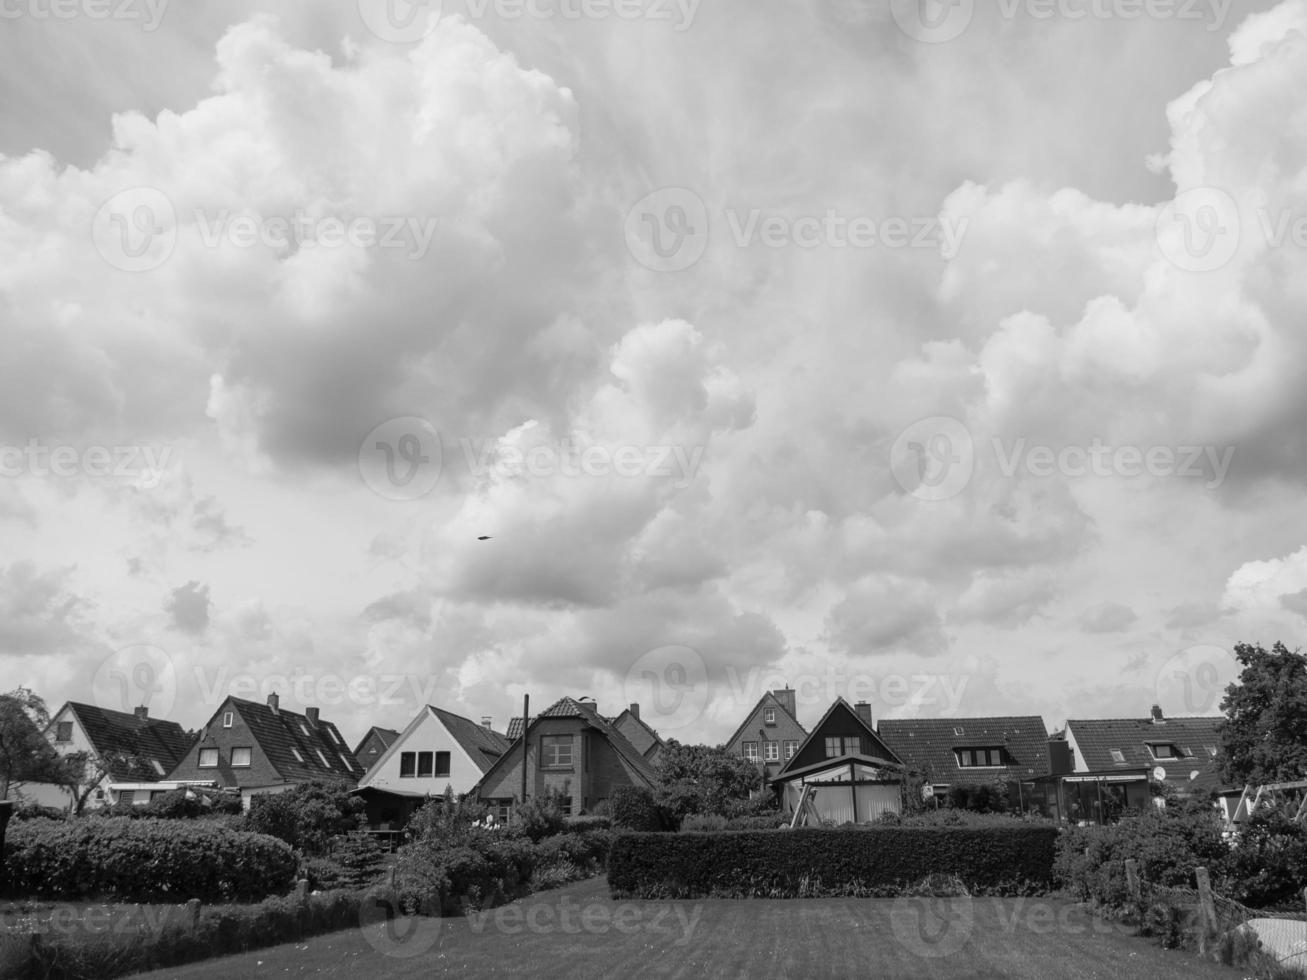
(579, 931)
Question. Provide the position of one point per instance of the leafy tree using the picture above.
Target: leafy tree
(1264, 732)
(309, 815)
(703, 779)
(26, 756)
(82, 772)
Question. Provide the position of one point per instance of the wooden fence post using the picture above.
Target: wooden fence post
(1304, 897)
(1132, 877)
(193, 912)
(1206, 908)
(302, 891)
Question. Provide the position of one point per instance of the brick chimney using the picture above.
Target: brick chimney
(312, 715)
(786, 697)
(1158, 717)
(143, 712)
(635, 710)
(274, 702)
(864, 711)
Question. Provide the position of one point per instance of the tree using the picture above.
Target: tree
(702, 779)
(26, 756)
(1264, 732)
(308, 815)
(82, 772)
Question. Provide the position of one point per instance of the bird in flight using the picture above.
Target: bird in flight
(483, 537)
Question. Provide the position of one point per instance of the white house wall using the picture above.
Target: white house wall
(428, 735)
(48, 794)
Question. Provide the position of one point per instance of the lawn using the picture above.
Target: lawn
(578, 931)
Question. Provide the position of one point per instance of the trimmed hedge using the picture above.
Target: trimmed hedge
(145, 860)
(809, 862)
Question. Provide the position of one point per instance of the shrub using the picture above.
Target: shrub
(703, 821)
(773, 822)
(1268, 864)
(862, 860)
(145, 860)
(446, 817)
(579, 825)
(634, 808)
(34, 811)
(308, 816)
(541, 816)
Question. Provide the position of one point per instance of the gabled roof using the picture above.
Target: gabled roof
(1097, 738)
(630, 722)
(767, 700)
(635, 764)
(481, 744)
(281, 731)
(386, 736)
(927, 745)
(840, 704)
(129, 744)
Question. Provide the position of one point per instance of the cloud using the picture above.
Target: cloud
(1107, 617)
(188, 607)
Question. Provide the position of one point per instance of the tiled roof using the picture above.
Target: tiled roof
(281, 731)
(480, 743)
(1194, 737)
(130, 744)
(386, 736)
(514, 729)
(571, 708)
(926, 746)
(637, 732)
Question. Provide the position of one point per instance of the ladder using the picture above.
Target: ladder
(806, 808)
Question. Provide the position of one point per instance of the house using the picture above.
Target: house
(264, 748)
(854, 776)
(647, 741)
(570, 749)
(770, 734)
(371, 745)
(949, 752)
(439, 750)
(129, 754)
(1117, 759)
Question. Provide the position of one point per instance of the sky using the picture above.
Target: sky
(946, 356)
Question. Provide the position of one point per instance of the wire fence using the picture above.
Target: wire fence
(1223, 913)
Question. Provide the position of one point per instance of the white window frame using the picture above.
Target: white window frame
(325, 763)
(249, 756)
(791, 748)
(228, 718)
(769, 715)
(751, 751)
(771, 750)
(1117, 756)
(217, 758)
(296, 753)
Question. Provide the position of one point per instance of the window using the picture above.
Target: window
(773, 751)
(769, 716)
(208, 758)
(372, 751)
(425, 762)
(126, 796)
(158, 766)
(157, 794)
(556, 750)
(304, 729)
(1118, 755)
(227, 718)
(296, 753)
(407, 764)
(1162, 751)
(958, 732)
(980, 758)
(241, 756)
(751, 751)
(791, 746)
(63, 732)
(1211, 750)
(323, 759)
(442, 763)
(833, 747)
(848, 745)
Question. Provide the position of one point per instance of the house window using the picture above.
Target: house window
(773, 751)
(1211, 750)
(323, 759)
(769, 716)
(127, 796)
(408, 764)
(227, 718)
(556, 751)
(958, 732)
(833, 747)
(240, 756)
(63, 731)
(296, 753)
(344, 762)
(158, 766)
(425, 762)
(980, 758)
(1118, 756)
(442, 763)
(208, 758)
(791, 747)
(751, 751)
(848, 745)
(1162, 751)
(304, 730)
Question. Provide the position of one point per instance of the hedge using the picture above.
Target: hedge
(145, 861)
(871, 861)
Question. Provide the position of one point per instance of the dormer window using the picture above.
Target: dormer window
(158, 766)
(1118, 756)
(984, 758)
(1163, 750)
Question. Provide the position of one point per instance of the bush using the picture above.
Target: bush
(1268, 864)
(634, 808)
(703, 822)
(177, 804)
(354, 862)
(34, 811)
(579, 825)
(862, 860)
(541, 816)
(307, 816)
(145, 861)
(446, 817)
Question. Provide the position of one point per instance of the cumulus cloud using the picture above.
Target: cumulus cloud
(188, 607)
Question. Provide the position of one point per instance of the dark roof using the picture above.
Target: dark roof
(626, 719)
(1096, 738)
(280, 731)
(636, 764)
(480, 743)
(840, 704)
(386, 736)
(771, 700)
(128, 743)
(926, 745)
